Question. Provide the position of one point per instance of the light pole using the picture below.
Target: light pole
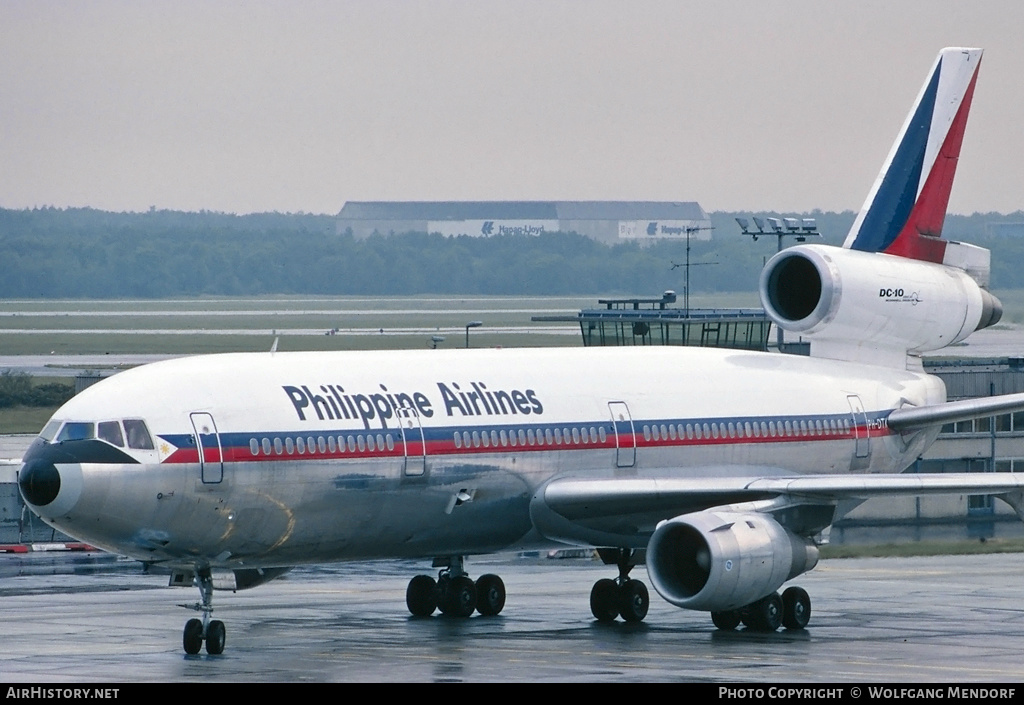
(801, 229)
(471, 324)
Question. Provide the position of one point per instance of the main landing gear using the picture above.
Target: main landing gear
(622, 596)
(454, 592)
(197, 631)
(792, 610)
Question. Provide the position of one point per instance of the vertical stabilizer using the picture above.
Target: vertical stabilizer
(906, 207)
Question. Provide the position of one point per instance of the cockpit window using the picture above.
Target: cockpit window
(110, 431)
(76, 431)
(48, 433)
(138, 434)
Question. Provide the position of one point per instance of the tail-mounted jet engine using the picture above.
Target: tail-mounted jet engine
(718, 560)
(837, 297)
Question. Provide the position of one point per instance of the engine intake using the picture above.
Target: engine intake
(721, 560)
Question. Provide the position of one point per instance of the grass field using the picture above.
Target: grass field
(184, 326)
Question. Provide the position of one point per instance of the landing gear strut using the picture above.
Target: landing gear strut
(792, 610)
(197, 631)
(623, 596)
(454, 592)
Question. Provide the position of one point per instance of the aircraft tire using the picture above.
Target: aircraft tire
(726, 620)
(421, 596)
(765, 615)
(458, 598)
(634, 601)
(796, 608)
(216, 635)
(604, 600)
(192, 636)
(490, 594)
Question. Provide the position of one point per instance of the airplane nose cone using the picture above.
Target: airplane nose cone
(40, 482)
(51, 489)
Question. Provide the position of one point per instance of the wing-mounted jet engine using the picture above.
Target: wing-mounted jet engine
(727, 562)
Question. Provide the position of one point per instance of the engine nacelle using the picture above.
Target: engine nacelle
(847, 298)
(722, 560)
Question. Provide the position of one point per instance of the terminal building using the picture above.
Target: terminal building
(606, 221)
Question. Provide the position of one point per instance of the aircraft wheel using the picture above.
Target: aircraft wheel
(726, 620)
(796, 608)
(216, 635)
(192, 637)
(765, 615)
(604, 600)
(458, 598)
(634, 601)
(421, 596)
(490, 594)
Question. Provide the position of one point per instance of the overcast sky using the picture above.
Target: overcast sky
(300, 106)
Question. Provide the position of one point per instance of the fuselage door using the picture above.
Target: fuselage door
(862, 442)
(412, 442)
(211, 455)
(625, 437)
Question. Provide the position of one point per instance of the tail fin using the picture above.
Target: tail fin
(906, 207)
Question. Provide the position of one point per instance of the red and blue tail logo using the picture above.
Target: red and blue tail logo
(906, 207)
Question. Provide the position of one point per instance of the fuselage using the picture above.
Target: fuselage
(283, 458)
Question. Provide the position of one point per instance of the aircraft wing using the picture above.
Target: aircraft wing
(604, 511)
(916, 417)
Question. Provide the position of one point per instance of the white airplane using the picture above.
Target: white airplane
(719, 469)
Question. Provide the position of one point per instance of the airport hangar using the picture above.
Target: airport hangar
(605, 221)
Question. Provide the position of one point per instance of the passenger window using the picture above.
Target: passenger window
(266, 446)
(138, 434)
(110, 431)
(254, 446)
(76, 431)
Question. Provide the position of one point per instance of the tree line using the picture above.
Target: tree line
(86, 253)
(17, 389)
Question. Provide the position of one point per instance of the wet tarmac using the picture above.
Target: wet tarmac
(939, 619)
